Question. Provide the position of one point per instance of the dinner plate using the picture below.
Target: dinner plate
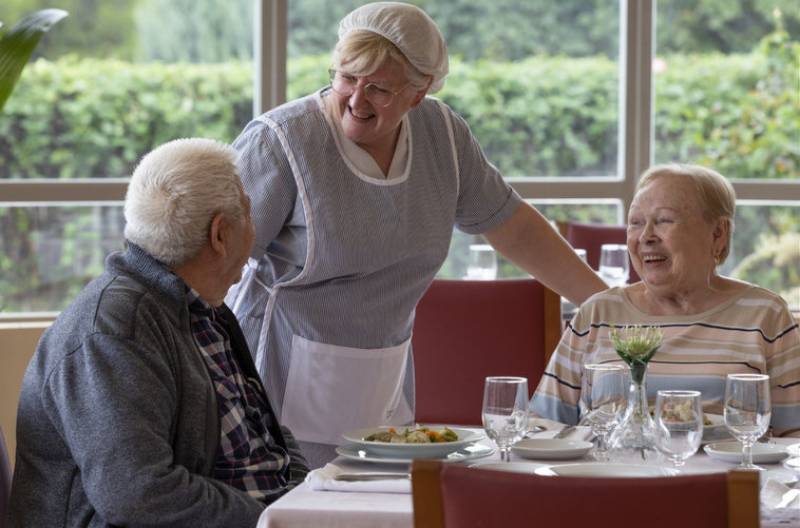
(550, 448)
(398, 450)
(732, 452)
(605, 470)
(364, 454)
(793, 449)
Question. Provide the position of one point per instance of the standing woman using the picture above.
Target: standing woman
(355, 192)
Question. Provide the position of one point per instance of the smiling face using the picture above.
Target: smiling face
(372, 127)
(671, 244)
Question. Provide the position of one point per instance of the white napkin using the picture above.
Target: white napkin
(777, 495)
(322, 479)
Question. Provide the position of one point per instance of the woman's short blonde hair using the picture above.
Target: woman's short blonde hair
(715, 194)
(362, 52)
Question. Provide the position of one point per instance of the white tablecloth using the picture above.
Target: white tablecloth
(302, 507)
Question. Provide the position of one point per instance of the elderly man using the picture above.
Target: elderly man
(141, 406)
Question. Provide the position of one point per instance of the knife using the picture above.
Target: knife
(565, 432)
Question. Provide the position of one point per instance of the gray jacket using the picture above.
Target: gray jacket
(118, 423)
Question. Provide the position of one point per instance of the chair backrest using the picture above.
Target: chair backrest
(5, 479)
(591, 237)
(449, 496)
(467, 330)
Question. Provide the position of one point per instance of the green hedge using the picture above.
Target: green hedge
(541, 116)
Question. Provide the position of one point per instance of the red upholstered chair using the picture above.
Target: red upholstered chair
(591, 237)
(467, 330)
(450, 496)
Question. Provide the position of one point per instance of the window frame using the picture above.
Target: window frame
(636, 131)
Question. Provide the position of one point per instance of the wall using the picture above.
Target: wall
(17, 344)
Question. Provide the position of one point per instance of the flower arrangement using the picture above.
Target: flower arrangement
(635, 436)
(636, 345)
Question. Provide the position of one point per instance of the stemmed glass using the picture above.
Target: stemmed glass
(614, 264)
(505, 411)
(482, 263)
(679, 424)
(747, 411)
(604, 395)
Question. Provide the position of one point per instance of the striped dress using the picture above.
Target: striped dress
(753, 332)
(341, 259)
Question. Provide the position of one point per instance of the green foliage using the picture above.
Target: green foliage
(774, 265)
(747, 125)
(195, 30)
(510, 30)
(96, 28)
(17, 45)
(81, 118)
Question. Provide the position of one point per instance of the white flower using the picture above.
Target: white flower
(636, 343)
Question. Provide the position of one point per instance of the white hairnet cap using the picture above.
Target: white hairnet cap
(410, 29)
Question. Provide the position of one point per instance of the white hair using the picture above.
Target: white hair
(174, 194)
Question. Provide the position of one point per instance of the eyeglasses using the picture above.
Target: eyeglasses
(345, 84)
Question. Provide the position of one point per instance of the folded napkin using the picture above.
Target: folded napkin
(323, 479)
(777, 495)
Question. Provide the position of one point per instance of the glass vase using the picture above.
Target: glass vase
(634, 439)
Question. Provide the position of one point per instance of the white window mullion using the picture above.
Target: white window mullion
(636, 94)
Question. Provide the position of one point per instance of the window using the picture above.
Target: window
(558, 94)
(114, 80)
(725, 78)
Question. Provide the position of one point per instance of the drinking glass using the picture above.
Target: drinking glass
(482, 263)
(747, 411)
(614, 264)
(679, 424)
(568, 309)
(604, 396)
(505, 411)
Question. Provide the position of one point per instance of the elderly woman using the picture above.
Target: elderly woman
(679, 232)
(355, 192)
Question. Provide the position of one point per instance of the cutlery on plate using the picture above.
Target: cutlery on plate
(356, 477)
(565, 431)
(534, 429)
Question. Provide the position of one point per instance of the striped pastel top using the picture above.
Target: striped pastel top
(753, 332)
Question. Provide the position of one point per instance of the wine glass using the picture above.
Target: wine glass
(505, 411)
(604, 396)
(747, 411)
(679, 424)
(482, 263)
(614, 264)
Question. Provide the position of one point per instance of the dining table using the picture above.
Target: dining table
(306, 507)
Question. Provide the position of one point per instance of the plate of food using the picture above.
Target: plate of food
(420, 441)
(462, 454)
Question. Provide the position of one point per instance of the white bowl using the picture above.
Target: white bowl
(550, 448)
